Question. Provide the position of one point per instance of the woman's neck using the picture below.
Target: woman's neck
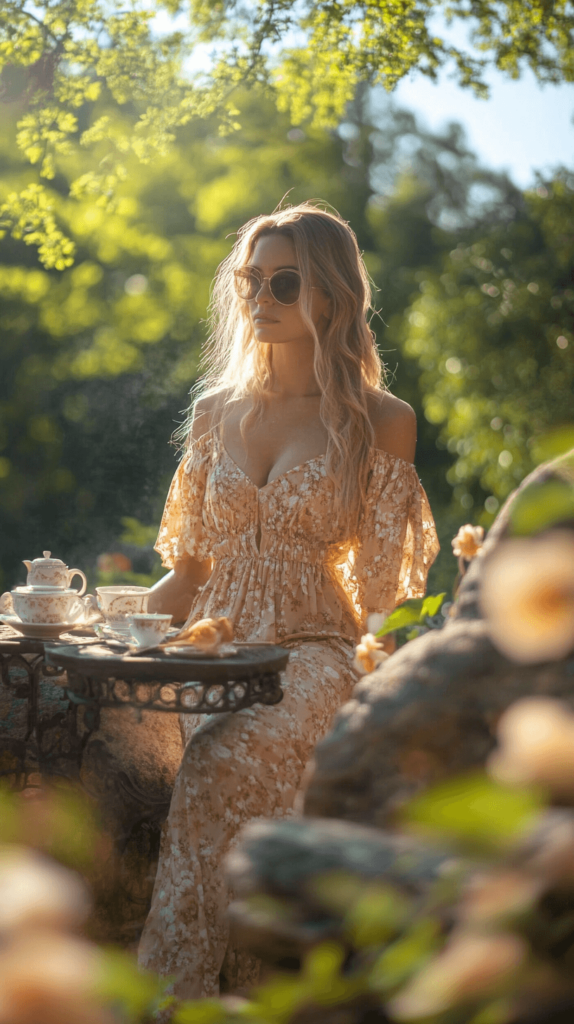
(293, 371)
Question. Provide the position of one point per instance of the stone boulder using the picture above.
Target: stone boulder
(430, 711)
(281, 862)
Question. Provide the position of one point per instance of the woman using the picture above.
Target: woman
(296, 512)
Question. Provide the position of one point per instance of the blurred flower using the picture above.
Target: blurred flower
(499, 894)
(46, 975)
(50, 977)
(376, 621)
(113, 562)
(527, 596)
(472, 966)
(37, 892)
(536, 745)
(368, 654)
(468, 542)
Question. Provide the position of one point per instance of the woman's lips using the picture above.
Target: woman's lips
(264, 320)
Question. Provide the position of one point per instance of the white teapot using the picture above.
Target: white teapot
(49, 573)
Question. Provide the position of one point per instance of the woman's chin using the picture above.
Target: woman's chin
(265, 333)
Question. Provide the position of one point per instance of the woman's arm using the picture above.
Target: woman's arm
(174, 594)
(395, 427)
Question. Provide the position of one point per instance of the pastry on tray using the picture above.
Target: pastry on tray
(208, 637)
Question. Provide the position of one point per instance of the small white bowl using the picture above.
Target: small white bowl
(149, 628)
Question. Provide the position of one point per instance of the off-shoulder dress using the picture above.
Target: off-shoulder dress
(281, 572)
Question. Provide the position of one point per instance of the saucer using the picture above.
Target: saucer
(106, 632)
(37, 630)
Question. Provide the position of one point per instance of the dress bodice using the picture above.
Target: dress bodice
(277, 549)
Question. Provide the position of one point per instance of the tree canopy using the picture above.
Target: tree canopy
(88, 75)
(96, 361)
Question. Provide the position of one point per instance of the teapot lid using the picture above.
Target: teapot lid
(48, 560)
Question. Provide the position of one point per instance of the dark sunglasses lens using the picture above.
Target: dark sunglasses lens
(246, 284)
(285, 287)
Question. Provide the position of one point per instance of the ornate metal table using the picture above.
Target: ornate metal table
(101, 676)
(86, 675)
(70, 708)
(39, 733)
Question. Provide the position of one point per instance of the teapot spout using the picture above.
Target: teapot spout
(27, 564)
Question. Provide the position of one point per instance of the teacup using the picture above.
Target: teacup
(33, 606)
(149, 628)
(118, 602)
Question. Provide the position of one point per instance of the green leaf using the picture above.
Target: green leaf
(407, 614)
(541, 506)
(204, 1011)
(123, 985)
(498, 1012)
(322, 978)
(135, 532)
(277, 1000)
(432, 605)
(407, 954)
(474, 810)
(412, 613)
(376, 916)
(553, 443)
(323, 963)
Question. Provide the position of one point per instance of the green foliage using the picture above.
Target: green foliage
(61, 823)
(413, 612)
(539, 507)
(60, 58)
(97, 360)
(136, 533)
(491, 331)
(376, 915)
(205, 1011)
(553, 444)
(388, 935)
(121, 985)
(401, 958)
(474, 811)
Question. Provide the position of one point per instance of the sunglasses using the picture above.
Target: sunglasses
(284, 285)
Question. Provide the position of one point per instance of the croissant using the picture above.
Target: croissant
(207, 634)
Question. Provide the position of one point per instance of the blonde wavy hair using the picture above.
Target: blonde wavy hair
(346, 359)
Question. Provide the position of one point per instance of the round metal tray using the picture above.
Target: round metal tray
(98, 674)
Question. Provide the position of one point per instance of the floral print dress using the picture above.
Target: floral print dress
(281, 572)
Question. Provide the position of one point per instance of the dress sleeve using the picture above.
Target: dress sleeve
(397, 538)
(181, 529)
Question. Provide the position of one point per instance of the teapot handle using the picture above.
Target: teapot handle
(78, 572)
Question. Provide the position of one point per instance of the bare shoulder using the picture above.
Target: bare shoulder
(206, 413)
(394, 423)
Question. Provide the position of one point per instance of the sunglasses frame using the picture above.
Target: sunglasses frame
(256, 274)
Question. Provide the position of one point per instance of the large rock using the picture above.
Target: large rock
(283, 864)
(430, 711)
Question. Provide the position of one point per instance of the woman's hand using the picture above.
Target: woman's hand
(175, 593)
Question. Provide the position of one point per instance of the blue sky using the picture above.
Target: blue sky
(522, 128)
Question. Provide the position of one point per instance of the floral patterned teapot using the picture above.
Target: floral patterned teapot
(49, 573)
